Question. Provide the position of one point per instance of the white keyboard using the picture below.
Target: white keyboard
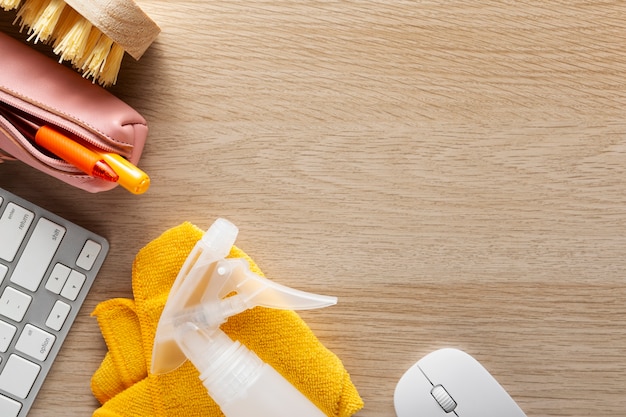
(47, 265)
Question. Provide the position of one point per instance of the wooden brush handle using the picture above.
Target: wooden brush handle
(121, 20)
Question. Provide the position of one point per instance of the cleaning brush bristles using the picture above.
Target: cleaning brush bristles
(9, 4)
(92, 35)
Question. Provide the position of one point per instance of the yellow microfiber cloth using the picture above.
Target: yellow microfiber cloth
(123, 384)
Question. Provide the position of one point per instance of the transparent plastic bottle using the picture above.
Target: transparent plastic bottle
(201, 300)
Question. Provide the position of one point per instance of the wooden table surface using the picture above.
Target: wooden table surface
(453, 171)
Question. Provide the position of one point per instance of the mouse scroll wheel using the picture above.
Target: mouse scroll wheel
(443, 398)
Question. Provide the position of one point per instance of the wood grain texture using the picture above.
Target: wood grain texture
(453, 171)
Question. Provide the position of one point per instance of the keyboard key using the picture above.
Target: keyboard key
(3, 272)
(7, 331)
(9, 407)
(74, 284)
(58, 315)
(57, 278)
(35, 342)
(14, 224)
(37, 255)
(18, 376)
(88, 255)
(14, 303)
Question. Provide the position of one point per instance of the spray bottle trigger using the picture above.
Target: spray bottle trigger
(234, 275)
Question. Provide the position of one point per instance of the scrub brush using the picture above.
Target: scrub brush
(91, 34)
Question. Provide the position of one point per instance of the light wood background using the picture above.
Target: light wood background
(453, 171)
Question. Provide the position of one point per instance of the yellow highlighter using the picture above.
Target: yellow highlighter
(130, 177)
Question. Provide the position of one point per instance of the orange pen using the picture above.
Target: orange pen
(76, 154)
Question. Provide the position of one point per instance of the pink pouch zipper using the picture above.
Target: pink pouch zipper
(39, 88)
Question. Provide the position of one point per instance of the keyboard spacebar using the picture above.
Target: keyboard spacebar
(40, 249)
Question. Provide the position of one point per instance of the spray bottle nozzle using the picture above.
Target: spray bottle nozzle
(211, 288)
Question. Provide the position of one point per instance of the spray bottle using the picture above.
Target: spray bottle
(208, 290)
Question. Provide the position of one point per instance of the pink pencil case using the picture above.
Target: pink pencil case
(35, 85)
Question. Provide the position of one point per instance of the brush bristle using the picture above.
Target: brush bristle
(70, 35)
(42, 28)
(9, 4)
(73, 38)
(28, 13)
(103, 60)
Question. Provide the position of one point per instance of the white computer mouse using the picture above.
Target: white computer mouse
(448, 383)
